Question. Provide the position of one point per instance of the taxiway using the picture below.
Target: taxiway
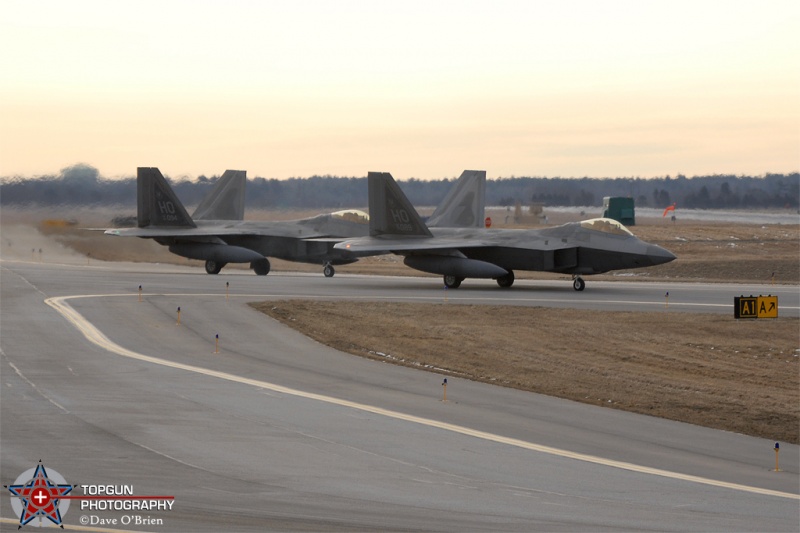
(277, 432)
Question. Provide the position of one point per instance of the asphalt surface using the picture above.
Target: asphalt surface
(276, 432)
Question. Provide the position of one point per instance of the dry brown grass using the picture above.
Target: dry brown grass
(720, 252)
(709, 370)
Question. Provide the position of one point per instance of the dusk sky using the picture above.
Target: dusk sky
(420, 89)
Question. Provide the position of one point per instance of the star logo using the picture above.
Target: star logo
(38, 494)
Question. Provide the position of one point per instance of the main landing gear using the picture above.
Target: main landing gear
(328, 270)
(260, 267)
(507, 280)
(213, 267)
(452, 282)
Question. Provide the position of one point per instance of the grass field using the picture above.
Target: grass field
(709, 370)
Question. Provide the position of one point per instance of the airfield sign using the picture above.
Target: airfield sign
(755, 306)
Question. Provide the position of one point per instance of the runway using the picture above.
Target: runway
(276, 432)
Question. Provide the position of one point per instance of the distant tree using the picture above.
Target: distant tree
(80, 174)
(727, 198)
(699, 200)
(661, 198)
(506, 201)
(583, 198)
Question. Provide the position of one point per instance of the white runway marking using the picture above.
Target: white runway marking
(97, 337)
(33, 385)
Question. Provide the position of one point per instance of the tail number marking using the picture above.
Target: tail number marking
(167, 210)
(401, 220)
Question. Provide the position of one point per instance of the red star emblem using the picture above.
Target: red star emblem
(40, 497)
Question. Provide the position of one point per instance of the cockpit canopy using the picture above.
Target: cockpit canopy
(352, 215)
(606, 225)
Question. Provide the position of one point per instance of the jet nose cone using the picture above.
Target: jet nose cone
(659, 255)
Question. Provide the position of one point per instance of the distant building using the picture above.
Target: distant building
(620, 209)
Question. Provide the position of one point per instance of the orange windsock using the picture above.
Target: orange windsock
(668, 209)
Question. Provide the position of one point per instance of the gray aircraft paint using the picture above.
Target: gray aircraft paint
(464, 205)
(226, 199)
(218, 234)
(581, 248)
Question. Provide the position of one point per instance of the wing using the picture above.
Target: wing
(446, 245)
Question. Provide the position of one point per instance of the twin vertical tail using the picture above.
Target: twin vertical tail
(390, 212)
(157, 203)
(463, 207)
(226, 200)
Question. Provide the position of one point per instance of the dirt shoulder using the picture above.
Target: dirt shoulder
(710, 370)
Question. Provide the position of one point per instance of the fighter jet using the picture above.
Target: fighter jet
(579, 248)
(218, 235)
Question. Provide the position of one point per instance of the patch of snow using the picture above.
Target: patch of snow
(745, 216)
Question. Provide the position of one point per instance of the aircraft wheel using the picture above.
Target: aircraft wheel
(452, 282)
(213, 267)
(260, 267)
(328, 270)
(578, 284)
(507, 280)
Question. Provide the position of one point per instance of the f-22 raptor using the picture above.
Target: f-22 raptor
(578, 248)
(218, 235)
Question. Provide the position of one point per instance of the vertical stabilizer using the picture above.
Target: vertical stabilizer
(157, 203)
(226, 200)
(463, 207)
(390, 212)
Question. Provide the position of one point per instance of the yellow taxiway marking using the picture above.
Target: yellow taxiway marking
(97, 337)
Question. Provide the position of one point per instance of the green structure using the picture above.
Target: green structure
(619, 209)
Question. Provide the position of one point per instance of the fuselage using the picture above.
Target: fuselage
(590, 247)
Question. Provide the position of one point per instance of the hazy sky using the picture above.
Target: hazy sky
(421, 89)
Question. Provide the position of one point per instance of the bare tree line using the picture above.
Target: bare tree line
(82, 185)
